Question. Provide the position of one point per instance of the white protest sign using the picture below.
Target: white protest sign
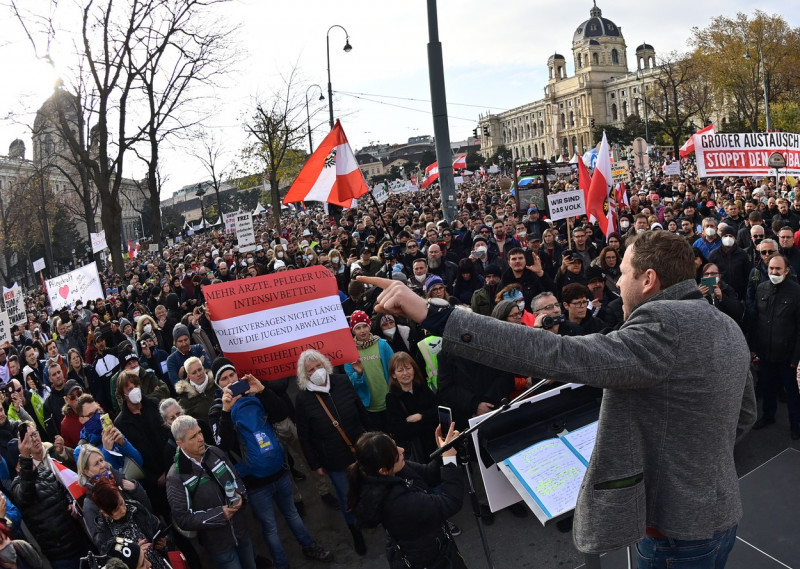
(566, 204)
(380, 194)
(99, 241)
(80, 284)
(620, 173)
(153, 248)
(230, 221)
(245, 234)
(14, 304)
(5, 329)
(38, 265)
(673, 169)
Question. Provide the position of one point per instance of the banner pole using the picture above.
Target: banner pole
(383, 221)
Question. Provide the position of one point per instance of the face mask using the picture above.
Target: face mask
(420, 278)
(521, 304)
(334, 259)
(279, 254)
(624, 224)
(135, 370)
(202, 387)
(148, 328)
(93, 425)
(390, 331)
(309, 258)
(319, 377)
(728, 241)
(8, 554)
(250, 261)
(522, 233)
(480, 252)
(135, 395)
(416, 232)
(640, 231)
(710, 231)
(776, 279)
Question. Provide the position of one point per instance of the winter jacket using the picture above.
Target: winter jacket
(152, 388)
(198, 507)
(734, 265)
(91, 511)
(322, 444)
(775, 334)
(400, 404)
(176, 359)
(44, 504)
(144, 432)
(104, 535)
(483, 301)
(412, 515)
(193, 402)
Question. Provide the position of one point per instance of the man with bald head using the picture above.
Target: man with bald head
(441, 267)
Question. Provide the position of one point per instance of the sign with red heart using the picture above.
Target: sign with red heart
(63, 291)
(81, 284)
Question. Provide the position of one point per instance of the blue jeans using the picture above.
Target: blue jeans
(712, 553)
(74, 563)
(239, 557)
(261, 501)
(339, 480)
(773, 375)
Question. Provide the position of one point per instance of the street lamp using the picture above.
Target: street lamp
(763, 71)
(308, 116)
(347, 48)
(200, 193)
(640, 76)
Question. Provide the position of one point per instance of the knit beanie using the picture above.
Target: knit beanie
(359, 317)
(219, 366)
(178, 331)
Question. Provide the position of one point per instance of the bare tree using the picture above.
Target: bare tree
(276, 127)
(210, 154)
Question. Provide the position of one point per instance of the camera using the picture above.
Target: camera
(551, 321)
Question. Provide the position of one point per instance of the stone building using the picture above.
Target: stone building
(602, 91)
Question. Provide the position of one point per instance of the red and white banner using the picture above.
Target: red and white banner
(688, 146)
(600, 199)
(69, 479)
(745, 153)
(431, 175)
(264, 323)
(331, 174)
(460, 163)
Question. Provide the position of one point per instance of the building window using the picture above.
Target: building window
(534, 129)
(612, 95)
(622, 94)
(563, 121)
(595, 58)
(571, 118)
(580, 60)
(614, 116)
(624, 109)
(614, 57)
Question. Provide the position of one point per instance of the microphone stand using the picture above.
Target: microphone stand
(463, 440)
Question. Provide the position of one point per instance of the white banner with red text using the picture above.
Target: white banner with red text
(745, 153)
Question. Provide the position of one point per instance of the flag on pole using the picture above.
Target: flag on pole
(331, 174)
(69, 479)
(584, 180)
(600, 200)
(621, 195)
(133, 249)
(688, 146)
(460, 163)
(431, 175)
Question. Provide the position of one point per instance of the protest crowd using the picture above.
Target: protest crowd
(175, 450)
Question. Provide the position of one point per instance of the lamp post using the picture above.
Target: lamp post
(308, 116)
(200, 193)
(765, 87)
(347, 48)
(640, 76)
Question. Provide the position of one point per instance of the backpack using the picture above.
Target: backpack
(262, 453)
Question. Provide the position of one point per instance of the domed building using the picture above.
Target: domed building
(602, 90)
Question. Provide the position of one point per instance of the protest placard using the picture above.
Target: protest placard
(745, 153)
(5, 329)
(245, 234)
(14, 305)
(153, 247)
(264, 323)
(98, 241)
(38, 265)
(673, 169)
(230, 221)
(81, 284)
(380, 194)
(620, 172)
(566, 204)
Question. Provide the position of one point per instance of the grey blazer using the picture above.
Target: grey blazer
(678, 395)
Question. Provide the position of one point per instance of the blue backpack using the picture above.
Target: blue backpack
(262, 453)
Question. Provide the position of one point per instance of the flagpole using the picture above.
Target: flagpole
(383, 221)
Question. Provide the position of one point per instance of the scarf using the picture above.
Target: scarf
(367, 343)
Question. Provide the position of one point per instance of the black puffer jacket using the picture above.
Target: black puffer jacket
(409, 512)
(322, 444)
(43, 501)
(776, 334)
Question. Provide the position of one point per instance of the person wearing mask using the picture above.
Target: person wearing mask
(710, 240)
(324, 394)
(245, 428)
(767, 249)
(775, 338)
(387, 490)
(787, 249)
(196, 393)
(731, 261)
(370, 373)
(115, 447)
(401, 337)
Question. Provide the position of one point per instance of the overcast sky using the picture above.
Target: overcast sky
(494, 56)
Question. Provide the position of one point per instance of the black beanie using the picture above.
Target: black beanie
(178, 331)
(219, 366)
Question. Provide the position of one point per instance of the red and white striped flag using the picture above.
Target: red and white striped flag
(688, 146)
(600, 199)
(460, 163)
(330, 175)
(431, 175)
(69, 479)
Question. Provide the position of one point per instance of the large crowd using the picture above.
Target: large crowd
(172, 445)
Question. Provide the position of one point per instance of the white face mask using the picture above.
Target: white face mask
(728, 241)
(135, 395)
(319, 377)
(521, 304)
(309, 258)
(390, 331)
(710, 231)
(640, 231)
(420, 278)
(776, 279)
(279, 254)
(136, 370)
(148, 328)
(480, 252)
(624, 224)
(522, 233)
(202, 387)
(334, 259)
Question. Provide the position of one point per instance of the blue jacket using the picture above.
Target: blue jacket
(359, 380)
(176, 359)
(116, 456)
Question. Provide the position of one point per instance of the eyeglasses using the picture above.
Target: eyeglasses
(74, 396)
(768, 252)
(411, 246)
(579, 303)
(785, 236)
(547, 307)
(516, 314)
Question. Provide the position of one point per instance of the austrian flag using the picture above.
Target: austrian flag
(431, 175)
(330, 175)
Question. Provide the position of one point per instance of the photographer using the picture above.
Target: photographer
(548, 315)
